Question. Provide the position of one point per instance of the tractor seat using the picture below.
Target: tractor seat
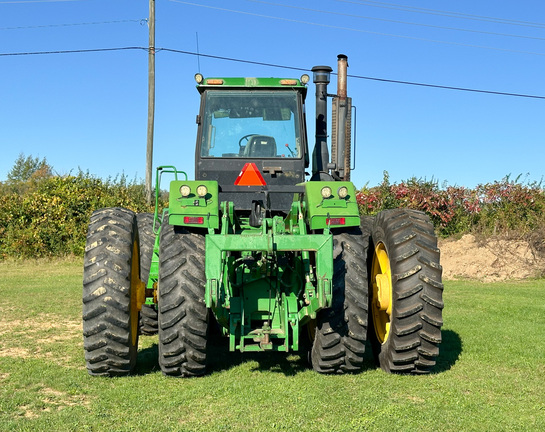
(260, 146)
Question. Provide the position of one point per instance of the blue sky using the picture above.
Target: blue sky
(89, 110)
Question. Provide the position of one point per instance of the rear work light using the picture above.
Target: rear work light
(342, 192)
(326, 192)
(197, 220)
(202, 190)
(185, 190)
(336, 221)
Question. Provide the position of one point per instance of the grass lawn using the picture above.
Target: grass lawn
(489, 377)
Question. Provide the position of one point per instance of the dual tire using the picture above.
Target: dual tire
(386, 273)
(183, 316)
(340, 332)
(148, 314)
(405, 295)
(111, 289)
(116, 261)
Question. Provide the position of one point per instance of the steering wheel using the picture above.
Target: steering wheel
(245, 137)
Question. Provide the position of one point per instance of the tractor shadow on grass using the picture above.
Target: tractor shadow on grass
(221, 359)
(289, 364)
(449, 351)
(148, 360)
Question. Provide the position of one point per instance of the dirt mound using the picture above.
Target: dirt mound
(490, 260)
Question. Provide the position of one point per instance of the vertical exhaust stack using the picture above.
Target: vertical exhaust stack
(320, 154)
(341, 123)
(342, 66)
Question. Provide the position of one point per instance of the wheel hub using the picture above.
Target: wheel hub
(383, 292)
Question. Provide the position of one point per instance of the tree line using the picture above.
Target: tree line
(43, 214)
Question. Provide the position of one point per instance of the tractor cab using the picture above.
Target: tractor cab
(252, 140)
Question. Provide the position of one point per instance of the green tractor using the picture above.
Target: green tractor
(249, 248)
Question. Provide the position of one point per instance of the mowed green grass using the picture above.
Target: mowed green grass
(490, 375)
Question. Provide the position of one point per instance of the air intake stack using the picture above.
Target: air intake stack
(341, 131)
(320, 155)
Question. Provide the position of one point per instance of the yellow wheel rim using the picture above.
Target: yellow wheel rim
(381, 303)
(135, 293)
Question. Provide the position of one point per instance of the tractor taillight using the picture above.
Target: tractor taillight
(214, 81)
(336, 221)
(291, 82)
(196, 220)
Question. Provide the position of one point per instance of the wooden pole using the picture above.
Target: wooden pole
(151, 100)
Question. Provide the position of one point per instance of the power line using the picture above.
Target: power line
(396, 21)
(38, 1)
(141, 21)
(444, 13)
(257, 63)
(144, 20)
(448, 87)
(357, 30)
(72, 51)
(358, 76)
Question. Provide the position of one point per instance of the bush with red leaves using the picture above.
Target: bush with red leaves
(500, 207)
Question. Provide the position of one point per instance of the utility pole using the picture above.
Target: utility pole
(151, 99)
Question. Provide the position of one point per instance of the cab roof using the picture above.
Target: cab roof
(251, 83)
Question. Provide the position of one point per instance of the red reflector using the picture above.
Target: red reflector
(194, 220)
(250, 176)
(335, 221)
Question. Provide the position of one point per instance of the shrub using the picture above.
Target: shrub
(502, 207)
(48, 216)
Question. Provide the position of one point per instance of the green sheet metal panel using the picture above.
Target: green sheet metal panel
(332, 212)
(192, 210)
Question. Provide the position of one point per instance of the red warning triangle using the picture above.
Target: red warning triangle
(250, 176)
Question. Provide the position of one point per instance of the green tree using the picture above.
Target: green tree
(25, 168)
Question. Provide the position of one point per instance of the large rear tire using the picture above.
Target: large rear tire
(110, 291)
(341, 331)
(183, 316)
(405, 292)
(148, 313)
